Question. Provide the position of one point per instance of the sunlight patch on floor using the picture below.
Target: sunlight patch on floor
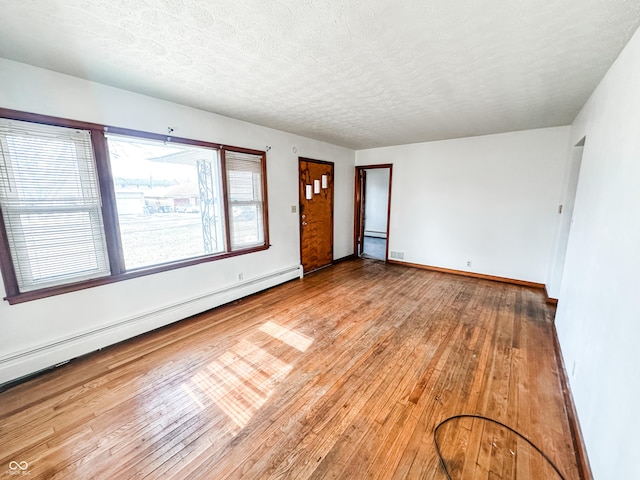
(290, 337)
(239, 381)
(192, 395)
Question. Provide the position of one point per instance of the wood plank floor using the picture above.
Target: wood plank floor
(344, 374)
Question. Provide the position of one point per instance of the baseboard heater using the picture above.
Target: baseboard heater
(375, 233)
(27, 362)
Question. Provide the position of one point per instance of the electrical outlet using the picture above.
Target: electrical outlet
(240, 276)
(398, 255)
(468, 263)
(294, 209)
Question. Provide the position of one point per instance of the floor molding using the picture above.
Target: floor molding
(550, 300)
(482, 276)
(584, 469)
(348, 258)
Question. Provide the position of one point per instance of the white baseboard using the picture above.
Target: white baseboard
(24, 363)
(374, 233)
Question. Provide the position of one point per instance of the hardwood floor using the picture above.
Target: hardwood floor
(344, 374)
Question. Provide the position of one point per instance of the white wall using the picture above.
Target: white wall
(491, 200)
(376, 202)
(44, 332)
(561, 238)
(598, 318)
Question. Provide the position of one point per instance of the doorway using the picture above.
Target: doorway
(372, 210)
(561, 241)
(316, 213)
(566, 210)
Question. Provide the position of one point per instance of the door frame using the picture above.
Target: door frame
(300, 193)
(565, 221)
(358, 207)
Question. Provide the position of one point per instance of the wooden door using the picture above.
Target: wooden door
(316, 214)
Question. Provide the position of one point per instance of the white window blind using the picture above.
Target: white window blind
(51, 206)
(246, 207)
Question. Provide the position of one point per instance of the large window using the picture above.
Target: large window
(79, 207)
(168, 199)
(244, 173)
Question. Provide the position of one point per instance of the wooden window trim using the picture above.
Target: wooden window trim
(109, 213)
(225, 192)
(225, 195)
(6, 263)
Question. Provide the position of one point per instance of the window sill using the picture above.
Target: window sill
(96, 282)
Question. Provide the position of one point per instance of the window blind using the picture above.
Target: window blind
(51, 206)
(245, 199)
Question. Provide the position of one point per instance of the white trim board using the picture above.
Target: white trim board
(374, 233)
(33, 360)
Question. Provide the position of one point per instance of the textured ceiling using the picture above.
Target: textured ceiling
(357, 73)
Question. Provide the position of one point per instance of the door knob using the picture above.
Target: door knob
(304, 223)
